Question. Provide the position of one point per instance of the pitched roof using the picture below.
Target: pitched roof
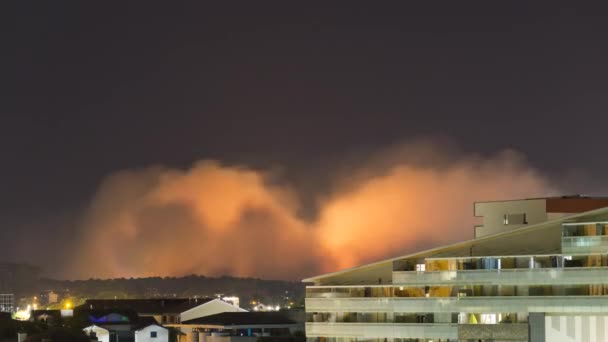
(145, 306)
(242, 318)
(143, 322)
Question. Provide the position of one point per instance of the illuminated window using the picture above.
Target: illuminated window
(488, 318)
(420, 267)
(514, 219)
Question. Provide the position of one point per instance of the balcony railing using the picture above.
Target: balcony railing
(383, 330)
(570, 304)
(577, 244)
(516, 276)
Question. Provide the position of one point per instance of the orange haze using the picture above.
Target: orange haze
(215, 219)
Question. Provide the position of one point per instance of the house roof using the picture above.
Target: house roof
(563, 204)
(242, 318)
(573, 196)
(145, 306)
(144, 322)
(462, 244)
(94, 326)
(36, 313)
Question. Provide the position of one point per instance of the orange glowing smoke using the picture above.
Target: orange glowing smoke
(214, 219)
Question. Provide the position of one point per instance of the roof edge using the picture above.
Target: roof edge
(457, 244)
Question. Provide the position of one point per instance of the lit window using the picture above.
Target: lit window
(488, 318)
(420, 267)
(515, 219)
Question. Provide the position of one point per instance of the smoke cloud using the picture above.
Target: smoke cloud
(215, 219)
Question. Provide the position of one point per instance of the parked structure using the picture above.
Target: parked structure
(537, 270)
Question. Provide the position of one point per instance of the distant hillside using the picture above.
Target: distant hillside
(268, 291)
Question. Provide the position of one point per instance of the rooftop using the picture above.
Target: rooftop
(145, 306)
(242, 318)
(491, 244)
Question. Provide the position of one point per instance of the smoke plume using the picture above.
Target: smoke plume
(215, 219)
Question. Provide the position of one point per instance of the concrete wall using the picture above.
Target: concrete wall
(576, 328)
(537, 326)
(210, 308)
(144, 335)
(494, 332)
(493, 215)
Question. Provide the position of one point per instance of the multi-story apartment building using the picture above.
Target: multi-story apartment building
(536, 270)
(7, 302)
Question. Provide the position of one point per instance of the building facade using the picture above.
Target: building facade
(536, 270)
(152, 333)
(7, 302)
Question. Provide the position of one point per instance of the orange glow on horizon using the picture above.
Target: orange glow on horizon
(214, 219)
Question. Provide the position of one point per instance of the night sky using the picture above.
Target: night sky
(92, 88)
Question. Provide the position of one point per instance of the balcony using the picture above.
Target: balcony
(556, 304)
(492, 332)
(383, 330)
(585, 244)
(534, 276)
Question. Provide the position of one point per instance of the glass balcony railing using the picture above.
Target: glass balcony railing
(383, 330)
(534, 276)
(578, 244)
(557, 304)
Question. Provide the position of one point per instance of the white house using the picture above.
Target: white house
(152, 333)
(103, 335)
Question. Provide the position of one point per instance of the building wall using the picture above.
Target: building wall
(196, 337)
(576, 328)
(575, 204)
(493, 215)
(493, 332)
(144, 335)
(210, 308)
(229, 339)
